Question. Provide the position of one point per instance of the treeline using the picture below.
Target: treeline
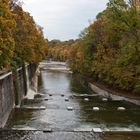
(109, 49)
(59, 50)
(21, 39)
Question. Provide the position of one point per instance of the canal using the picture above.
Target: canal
(63, 110)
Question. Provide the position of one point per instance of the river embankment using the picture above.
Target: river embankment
(114, 93)
(14, 87)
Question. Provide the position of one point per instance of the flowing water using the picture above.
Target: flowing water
(63, 110)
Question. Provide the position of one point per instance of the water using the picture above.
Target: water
(56, 85)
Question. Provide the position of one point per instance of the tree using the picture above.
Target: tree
(30, 44)
(7, 25)
(110, 47)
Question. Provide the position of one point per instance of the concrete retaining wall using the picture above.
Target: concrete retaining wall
(13, 88)
(7, 98)
(107, 94)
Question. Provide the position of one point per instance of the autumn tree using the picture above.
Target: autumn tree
(30, 44)
(59, 50)
(7, 25)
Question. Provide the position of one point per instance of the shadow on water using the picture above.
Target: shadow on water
(79, 85)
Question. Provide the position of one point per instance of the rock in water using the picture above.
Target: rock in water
(96, 108)
(121, 108)
(62, 95)
(86, 99)
(66, 99)
(97, 130)
(104, 99)
(70, 108)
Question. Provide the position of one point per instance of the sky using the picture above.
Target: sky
(64, 19)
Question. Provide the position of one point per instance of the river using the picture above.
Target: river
(63, 110)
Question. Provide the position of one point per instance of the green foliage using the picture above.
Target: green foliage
(110, 47)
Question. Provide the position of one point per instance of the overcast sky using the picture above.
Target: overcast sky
(64, 19)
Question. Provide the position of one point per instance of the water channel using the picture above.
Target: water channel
(63, 110)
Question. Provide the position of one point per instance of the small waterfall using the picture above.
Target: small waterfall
(33, 85)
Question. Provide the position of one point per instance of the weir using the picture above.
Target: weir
(72, 111)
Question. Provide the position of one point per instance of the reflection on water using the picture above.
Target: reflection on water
(54, 84)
